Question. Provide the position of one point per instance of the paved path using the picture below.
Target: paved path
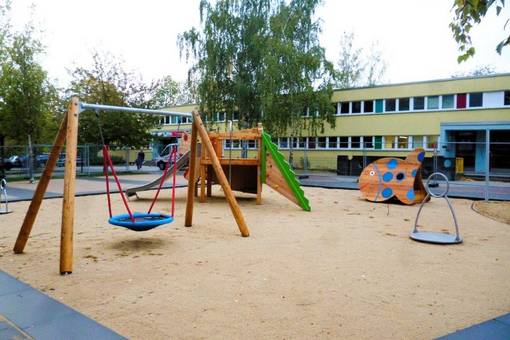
(26, 313)
(22, 191)
(459, 189)
(494, 329)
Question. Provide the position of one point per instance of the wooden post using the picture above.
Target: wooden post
(234, 207)
(202, 183)
(66, 236)
(259, 173)
(35, 204)
(188, 219)
(209, 180)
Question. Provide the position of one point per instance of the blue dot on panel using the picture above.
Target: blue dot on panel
(387, 177)
(421, 156)
(410, 195)
(392, 163)
(414, 173)
(387, 192)
(447, 163)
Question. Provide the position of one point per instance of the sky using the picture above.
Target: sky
(413, 35)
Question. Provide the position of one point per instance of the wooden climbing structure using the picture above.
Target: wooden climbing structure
(262, 164)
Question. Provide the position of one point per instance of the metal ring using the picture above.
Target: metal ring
(3, 184)
(443, 194)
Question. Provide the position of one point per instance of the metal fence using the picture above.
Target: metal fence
(479, 169)
(27, 162)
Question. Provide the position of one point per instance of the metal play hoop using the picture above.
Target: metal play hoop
(436, 237)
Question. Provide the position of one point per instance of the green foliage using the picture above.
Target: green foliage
(467, 14)
(350, 63)
(26, 96)
(355, 67)
(169, 93)
(107, 83)
(262, 60)
(480, 71)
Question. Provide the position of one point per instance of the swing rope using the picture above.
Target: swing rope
(108, 165)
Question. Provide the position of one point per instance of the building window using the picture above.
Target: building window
(447, 102)
(236, 144)
(391, 105)
(305, 112)
(433, 103)
(298, 143)
(344, 142)
(461, 101)
(283, 143)
(368, 106)
(403, 104)
(379, 103)
(332, 142)
(235, 115)
(344, 108)
(311, 142)
(368, 142)
(418, 142)
(431, 142)
(356, 107)
(401, 142)
(322, 143)
(302, 143)
(476, 99)
(253, 145)
(221, 116)
(388, 142)
(378, 142)
(507, 98)
(418, 103)
(355, 142)
(167, 120)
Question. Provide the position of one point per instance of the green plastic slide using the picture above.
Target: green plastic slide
(285, 170)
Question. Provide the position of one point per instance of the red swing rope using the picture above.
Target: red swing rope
(105, 171)
(171, 157)
(173, 180)
(114, 173)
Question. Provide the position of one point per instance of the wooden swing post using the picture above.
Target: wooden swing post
(198, 128)
(66, 236)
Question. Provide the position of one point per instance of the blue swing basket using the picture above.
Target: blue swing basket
(142, 221)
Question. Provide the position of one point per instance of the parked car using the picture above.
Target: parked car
(6, 164)
(42, 159)
(18, 161)
(163, 157)
(62, 160)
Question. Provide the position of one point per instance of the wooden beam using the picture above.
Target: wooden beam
(35, 204)
(66, 236)
(233, 161)
(248, 134)
(209, 180)
(202, 183)
(188, 219)
(220, 175)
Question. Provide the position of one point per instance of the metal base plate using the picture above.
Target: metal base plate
(3, 212)
(432, 237)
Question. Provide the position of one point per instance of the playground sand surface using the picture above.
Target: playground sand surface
(345, 270)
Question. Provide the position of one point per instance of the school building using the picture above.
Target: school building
(453, 118)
